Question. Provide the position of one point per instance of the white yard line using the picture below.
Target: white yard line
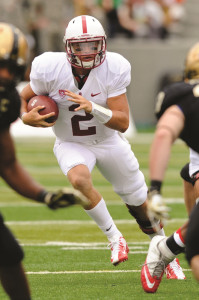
(90, 246)
(83, 272)
(88, 272)
(70, 245)
(102, 248)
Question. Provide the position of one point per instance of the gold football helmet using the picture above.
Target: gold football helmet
(13, 50)
(191, 70)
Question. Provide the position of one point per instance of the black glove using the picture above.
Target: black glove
(62, 198)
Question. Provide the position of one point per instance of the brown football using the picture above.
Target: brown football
(50, 106)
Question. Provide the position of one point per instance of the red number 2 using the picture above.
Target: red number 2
(76, 126)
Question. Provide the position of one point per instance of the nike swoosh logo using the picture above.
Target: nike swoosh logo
(149, 284)
(93, 95)
(109, 228)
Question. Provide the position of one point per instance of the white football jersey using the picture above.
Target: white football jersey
(51, 74)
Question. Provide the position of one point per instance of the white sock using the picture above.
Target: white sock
(104, 220)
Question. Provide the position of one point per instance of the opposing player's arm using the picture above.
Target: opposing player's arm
(11, 170)
(168, 130)
(20, 180)
(32, 118)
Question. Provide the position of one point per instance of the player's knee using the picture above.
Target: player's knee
(79, 182)
(10, 251)
(135, 198)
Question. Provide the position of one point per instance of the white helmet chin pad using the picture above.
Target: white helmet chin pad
(85, 42)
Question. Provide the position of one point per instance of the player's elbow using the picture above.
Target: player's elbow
(7, 167)
(124, 126)
(123, 129)
(120, 124)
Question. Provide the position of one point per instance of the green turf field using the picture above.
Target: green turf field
(67, 255)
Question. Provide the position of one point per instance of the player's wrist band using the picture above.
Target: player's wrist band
(155, 185)
(41, 196)
(102, 114)
(22, 114)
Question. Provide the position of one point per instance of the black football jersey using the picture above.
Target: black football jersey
(186, 97)
(9, 107)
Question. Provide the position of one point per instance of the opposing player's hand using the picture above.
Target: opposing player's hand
(157, 210)
(83, 102)
(64, 198)
(33, 118)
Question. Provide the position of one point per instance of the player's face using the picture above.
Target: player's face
(86, 50)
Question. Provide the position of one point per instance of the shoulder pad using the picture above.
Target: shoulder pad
(172, 95)
(177, 90)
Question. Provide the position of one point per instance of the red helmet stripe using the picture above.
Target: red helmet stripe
(84, 25)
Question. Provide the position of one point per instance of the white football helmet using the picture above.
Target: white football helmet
(85, 42)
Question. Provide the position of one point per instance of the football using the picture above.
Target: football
(50, 106)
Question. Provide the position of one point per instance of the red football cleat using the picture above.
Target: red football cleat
(119, 251)
(174, 270)
(157, 259)
(151, 283)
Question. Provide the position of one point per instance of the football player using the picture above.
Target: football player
(89, 85)
(13, 60)
(177, 110)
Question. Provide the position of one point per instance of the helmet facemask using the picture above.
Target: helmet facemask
(86, 53)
